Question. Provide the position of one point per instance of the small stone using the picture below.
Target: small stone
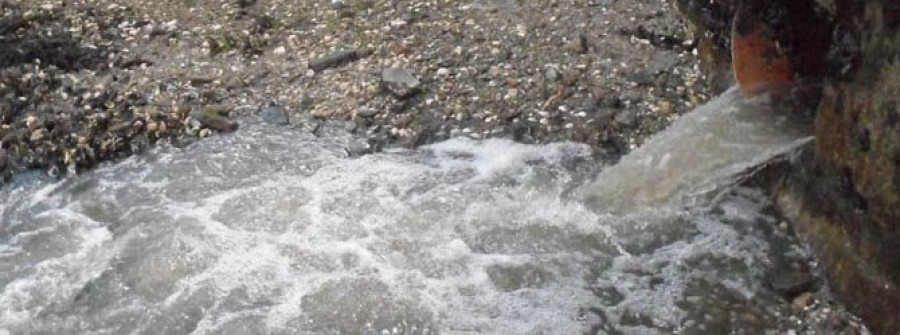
(359, 148)
(367, 112)
(279, 50)
(627, 118)
(336, 59)
(216, 118)
(665, 107)
(579, 45)
(443, 73)
(401, 83)
(32, 122)
(200, 81)
(609, 101)
(511, 94)
(803, 300)
(37, 135)
(641, 78)
(552, 74)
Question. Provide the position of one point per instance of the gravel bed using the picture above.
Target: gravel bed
(82, 82)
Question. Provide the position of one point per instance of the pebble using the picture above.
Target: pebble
(37, 135)
(335, 59)
(216, 118)
(665, 107)
(443, 73)
(400, 82)
(803, 300)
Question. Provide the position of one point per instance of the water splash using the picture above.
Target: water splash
(276, 231)
(708, 148)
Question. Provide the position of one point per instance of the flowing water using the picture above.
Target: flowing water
(275, 231)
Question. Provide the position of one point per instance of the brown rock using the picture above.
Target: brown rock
(216, 118)
(336, 59)
(803, 300)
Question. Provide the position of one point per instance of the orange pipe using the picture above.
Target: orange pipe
(760, 65)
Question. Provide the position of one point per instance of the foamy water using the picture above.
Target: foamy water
(714, 145)
(273, 231)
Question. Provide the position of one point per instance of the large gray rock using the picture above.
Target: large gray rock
(276, 115)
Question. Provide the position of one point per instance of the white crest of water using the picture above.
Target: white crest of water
(276, 231)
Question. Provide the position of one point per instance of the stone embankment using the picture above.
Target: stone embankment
(843, 193)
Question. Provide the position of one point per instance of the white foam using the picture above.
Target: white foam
(282, 234)
(699, 153)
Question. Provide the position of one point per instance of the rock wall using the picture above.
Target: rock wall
(843, 194)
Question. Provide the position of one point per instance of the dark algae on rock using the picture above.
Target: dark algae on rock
(68, 100)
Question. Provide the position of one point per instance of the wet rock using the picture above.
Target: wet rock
(401, 83)
(359, 148)
(790, 282)
(336, 59)
(216, 118)
(4, 159)
(367, 112)
(641, 78)
(13, 137)
(841, 196)
(275, 114)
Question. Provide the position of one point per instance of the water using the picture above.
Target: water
(717, 144)
(274, 231)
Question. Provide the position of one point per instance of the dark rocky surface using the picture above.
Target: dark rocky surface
(101, 80)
